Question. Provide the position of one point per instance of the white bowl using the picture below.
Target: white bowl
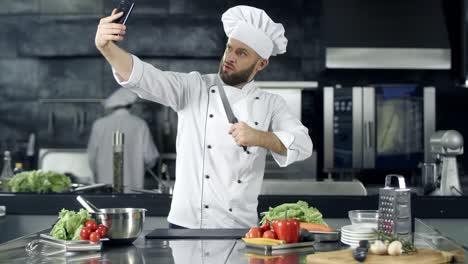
(363, 216)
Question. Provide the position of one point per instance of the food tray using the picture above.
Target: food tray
(47, 245)
(69, 242)
(74, 245)
(270, 248)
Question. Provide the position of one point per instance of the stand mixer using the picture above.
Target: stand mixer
(446, 145)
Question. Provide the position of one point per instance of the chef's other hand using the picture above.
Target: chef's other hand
(108, 31)
(244, 135)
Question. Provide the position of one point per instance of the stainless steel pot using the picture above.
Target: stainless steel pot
(124, 224)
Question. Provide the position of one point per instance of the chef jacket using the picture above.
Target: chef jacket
(202, 251)
(217, 182)
(139, 149)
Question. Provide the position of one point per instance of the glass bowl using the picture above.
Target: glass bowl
(363, 216)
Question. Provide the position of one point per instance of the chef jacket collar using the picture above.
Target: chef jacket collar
(246, 90)
(120, 111)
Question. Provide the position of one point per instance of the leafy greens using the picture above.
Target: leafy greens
(299, 210)
(69, 225)
(39, 181)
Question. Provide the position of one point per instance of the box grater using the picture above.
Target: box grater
(395, 209)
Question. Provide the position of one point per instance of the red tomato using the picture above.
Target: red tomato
(102, 232)
(254, 232)
(91, 224)
(103, 228)
(270, 234)
(94, 237)
(84, 233)
(266, 226)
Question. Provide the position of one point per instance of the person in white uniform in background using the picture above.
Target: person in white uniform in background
(217, 182)
(139, 149)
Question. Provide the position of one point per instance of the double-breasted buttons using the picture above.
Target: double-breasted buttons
(207, 176)
(209, 146)
(256, 98)
(206, 206)
(211, 115)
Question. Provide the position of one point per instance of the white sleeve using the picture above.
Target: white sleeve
(290, 131)
(164, 87)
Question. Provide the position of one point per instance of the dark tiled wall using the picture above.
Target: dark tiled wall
(47, 52)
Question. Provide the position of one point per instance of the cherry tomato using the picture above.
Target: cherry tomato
(84, 233)
(270, 234)
(101, 231)
(254, 232)
(91, 224)
(94, 237)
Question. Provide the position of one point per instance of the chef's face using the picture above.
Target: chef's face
(240, 63)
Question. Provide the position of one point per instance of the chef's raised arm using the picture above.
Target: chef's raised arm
(164, 87)
(290, 131)
(167, 88)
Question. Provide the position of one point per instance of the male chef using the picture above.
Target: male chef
(218, 181)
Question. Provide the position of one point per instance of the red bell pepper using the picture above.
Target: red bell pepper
(287, 230)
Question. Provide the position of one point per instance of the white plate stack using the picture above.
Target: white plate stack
(352, 234)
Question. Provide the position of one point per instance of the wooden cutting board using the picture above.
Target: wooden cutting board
(423, 256)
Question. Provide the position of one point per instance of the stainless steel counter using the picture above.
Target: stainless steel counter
(151, 251)
(148, 251)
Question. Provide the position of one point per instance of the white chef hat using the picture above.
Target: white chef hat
(256, 29)
(121, 97)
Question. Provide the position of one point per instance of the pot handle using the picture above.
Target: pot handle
(87, 205)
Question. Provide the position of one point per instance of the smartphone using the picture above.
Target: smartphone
(125, 6)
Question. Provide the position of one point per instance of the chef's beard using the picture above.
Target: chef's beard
(236, 78)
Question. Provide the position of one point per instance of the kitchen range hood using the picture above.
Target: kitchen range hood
(389, 34)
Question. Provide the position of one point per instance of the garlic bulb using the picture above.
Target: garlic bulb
(378, 248)
(395, 248)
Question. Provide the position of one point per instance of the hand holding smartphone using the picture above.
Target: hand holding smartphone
(125, 6)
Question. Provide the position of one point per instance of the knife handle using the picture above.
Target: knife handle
(234, 121)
